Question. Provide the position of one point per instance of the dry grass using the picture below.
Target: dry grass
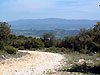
(75, 58)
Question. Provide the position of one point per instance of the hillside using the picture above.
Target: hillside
(60, 33)
(52, 23)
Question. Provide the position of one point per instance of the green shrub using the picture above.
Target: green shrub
(58, 50)
(4, 33)
(52, 49)
(37, 43)
(85, 51)
(18, 43)
(33, 43)
(33, 49)
(65, 50)
(21, 48)
(2, 51)
(10, 49)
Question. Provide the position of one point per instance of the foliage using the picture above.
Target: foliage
(69, 42)
(13, 36)
(33, 43)
(22, 37)
(86, 41)
(10, 49)
(85, 51)
(58, 50)
(17, 43)
(97, 33)
(21, 48)
(49, 39)
(4, 33)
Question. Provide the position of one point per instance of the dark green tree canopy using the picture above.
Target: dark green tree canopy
(4, 33)
(4, 30)
(49, 39)
(97, 26)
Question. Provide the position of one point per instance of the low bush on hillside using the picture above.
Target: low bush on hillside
(58, 50)
(3, 52)
(10, 49)
(85, 51)
(21, 48)
(33, 43)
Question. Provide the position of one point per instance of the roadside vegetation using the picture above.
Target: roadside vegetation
(76, 63)
(86, 41)
(83, 47)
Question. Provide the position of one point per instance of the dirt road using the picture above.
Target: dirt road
(34, 63)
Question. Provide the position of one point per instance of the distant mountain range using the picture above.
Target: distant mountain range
(51, 24)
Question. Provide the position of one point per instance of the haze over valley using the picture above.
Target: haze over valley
(52, 23)
(60, 27)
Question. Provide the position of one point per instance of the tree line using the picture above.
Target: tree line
(86, 41)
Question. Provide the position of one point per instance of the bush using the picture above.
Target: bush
(21, 48)
(37, 43)
(4, 33)
(85, 51)
(52, 49)
(58, 50)
(18, 43)
(33, 43)
(10, 49)
(65, 50)
(3, 52)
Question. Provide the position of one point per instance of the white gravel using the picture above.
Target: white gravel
(35, 63)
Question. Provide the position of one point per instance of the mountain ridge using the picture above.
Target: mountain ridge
(52, 23)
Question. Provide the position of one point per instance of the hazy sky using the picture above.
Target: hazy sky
(36, 9)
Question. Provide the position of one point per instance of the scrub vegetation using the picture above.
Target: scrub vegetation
(82, 52)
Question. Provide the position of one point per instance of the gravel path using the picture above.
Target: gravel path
(34, 63)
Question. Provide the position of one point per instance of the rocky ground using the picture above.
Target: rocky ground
(45, 63)
(34, 63)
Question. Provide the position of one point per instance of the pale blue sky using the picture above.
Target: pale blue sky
(37, 9)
